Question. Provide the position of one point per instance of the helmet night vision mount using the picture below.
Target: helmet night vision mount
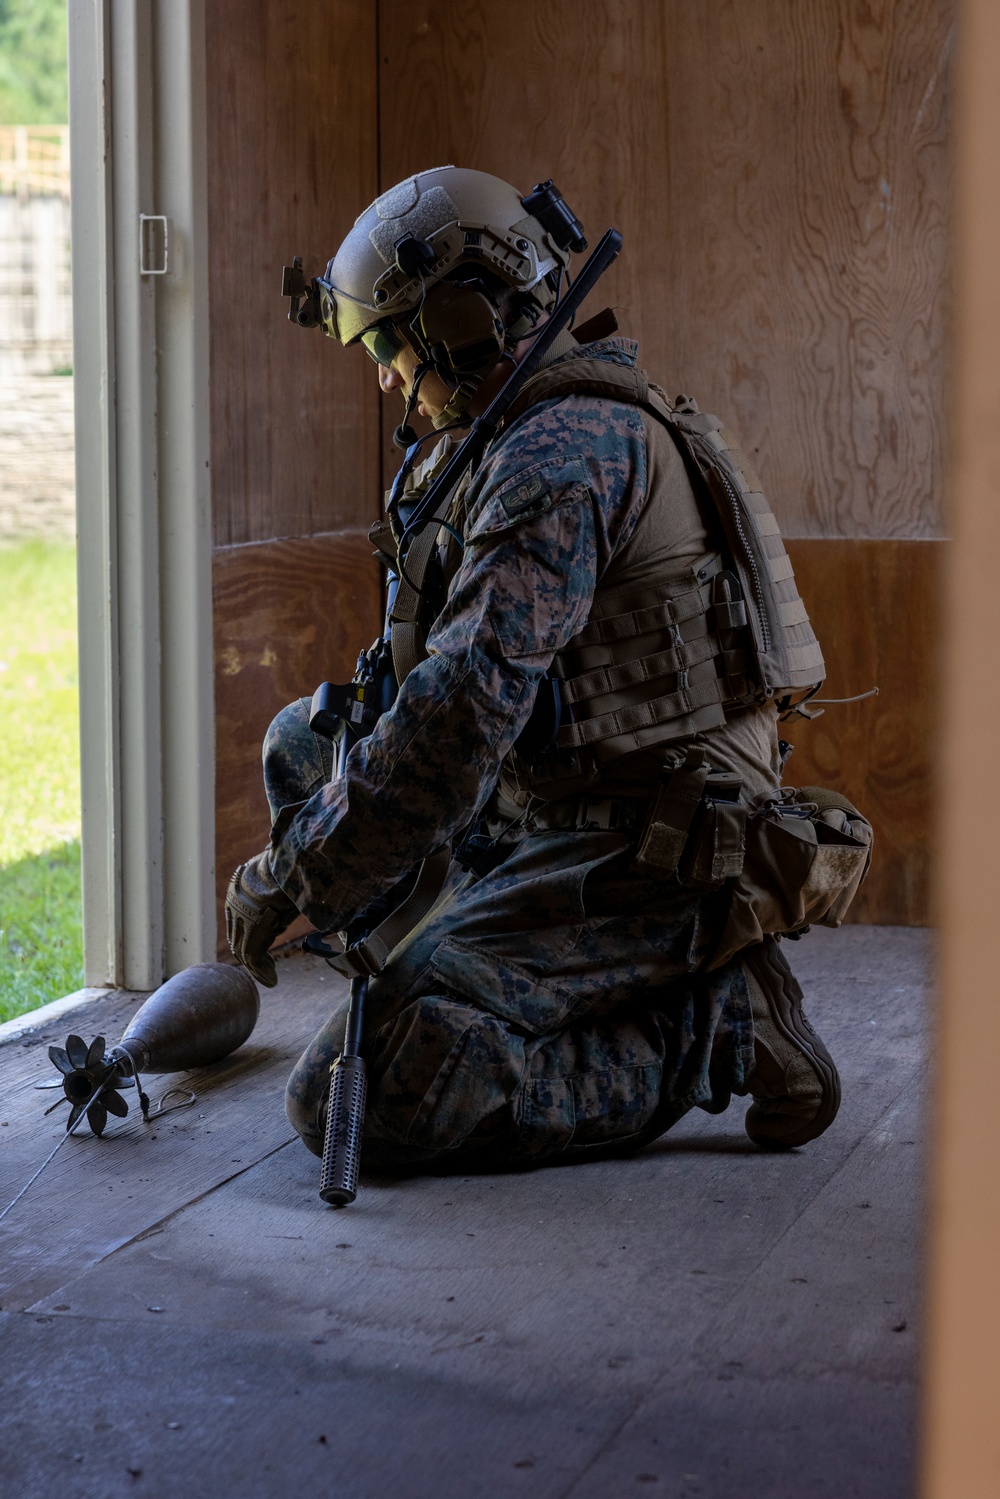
(453, 261)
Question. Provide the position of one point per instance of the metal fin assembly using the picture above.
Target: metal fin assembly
(91, 1079)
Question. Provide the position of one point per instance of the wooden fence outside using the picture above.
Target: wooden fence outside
(34, 159)
(36, 314)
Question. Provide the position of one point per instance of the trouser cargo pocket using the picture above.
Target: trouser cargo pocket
(584, 1112)
(514, 992)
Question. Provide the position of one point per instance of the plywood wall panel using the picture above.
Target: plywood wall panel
(820, 149)
(876, 607)
(292, 153)
(781, 175)
(288, 615)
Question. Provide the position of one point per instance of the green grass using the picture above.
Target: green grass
(41, 955)
(41, 933)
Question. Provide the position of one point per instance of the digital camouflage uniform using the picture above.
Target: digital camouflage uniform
(558, 1006)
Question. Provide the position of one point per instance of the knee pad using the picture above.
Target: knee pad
(296, 761)
(306, 1113)
(440, 1069)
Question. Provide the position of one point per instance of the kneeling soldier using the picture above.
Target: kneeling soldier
(609, 629)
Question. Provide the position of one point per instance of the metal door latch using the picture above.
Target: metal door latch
(154, 244)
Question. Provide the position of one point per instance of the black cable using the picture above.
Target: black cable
(413, 529)
(485, 426)
(394, 500)
(404, 436)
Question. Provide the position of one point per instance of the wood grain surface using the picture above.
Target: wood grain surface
(292, 150)
(780, 173)
(875, 606)
(288, 615)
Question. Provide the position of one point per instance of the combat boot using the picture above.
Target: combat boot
(795, 1083)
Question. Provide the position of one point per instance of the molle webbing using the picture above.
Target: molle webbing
(736, 630)
(624, 684)
(789, 655)
(409, 632)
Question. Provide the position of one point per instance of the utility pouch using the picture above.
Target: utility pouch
(717, 844)
(695, 828)
(665, 835)
(805, 859)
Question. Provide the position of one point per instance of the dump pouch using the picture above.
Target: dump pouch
(806, 856)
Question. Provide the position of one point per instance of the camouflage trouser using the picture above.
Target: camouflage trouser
(552, 1008)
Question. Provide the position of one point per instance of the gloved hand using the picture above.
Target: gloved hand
(257, 910)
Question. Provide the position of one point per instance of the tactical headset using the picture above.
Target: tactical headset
(456, 330)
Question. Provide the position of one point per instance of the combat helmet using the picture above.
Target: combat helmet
(456, 260)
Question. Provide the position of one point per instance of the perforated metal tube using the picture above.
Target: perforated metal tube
(338, 1183)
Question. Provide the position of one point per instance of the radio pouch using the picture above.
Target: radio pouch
(695, 828)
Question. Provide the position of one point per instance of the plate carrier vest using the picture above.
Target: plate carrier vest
(658, 662)
(655, 663)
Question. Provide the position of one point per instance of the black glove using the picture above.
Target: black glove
(257, 910)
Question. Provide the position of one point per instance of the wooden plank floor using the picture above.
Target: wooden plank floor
(99, 1194)
(183, 1317)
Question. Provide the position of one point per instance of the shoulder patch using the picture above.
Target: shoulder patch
(526, 495)
(530, 496)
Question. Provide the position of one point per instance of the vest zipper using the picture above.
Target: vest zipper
(758, 592)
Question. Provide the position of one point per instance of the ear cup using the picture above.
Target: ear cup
(461, 332)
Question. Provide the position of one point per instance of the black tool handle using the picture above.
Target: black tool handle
(345, 1113)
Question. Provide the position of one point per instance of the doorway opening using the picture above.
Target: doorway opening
(41, 956)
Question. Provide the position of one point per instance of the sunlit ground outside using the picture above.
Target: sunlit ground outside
(40, 928)
(40, 939)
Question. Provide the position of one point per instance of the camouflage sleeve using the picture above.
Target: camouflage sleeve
(550, 504)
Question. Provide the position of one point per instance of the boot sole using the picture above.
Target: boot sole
(790, 1020)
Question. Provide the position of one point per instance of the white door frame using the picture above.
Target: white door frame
(137, 143)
